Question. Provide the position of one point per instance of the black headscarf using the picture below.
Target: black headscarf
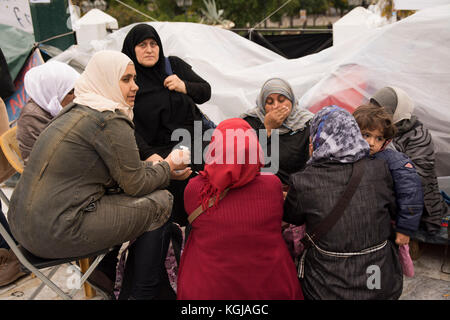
(157, 110)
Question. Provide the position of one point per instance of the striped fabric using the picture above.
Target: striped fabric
(417, 144)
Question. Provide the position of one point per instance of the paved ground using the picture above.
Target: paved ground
(428, 283)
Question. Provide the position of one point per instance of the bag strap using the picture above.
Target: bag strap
(339, 209)
(168, 66)
(200, 210)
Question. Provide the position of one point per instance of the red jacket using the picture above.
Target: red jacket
(236, 251)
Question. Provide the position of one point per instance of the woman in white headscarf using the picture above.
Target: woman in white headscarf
(50, 88)
(85, 188)
(277, 108)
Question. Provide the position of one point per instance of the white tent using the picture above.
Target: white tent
(413, 54)
(93, 26)
(418, 4)
(356, 23)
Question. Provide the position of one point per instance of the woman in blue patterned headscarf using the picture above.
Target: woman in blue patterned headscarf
(335, 136)
(340, 264)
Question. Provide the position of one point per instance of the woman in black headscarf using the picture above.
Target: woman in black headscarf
(166, 101)
(168, 92)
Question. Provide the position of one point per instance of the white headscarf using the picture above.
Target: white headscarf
(49, 83)
(98, 87)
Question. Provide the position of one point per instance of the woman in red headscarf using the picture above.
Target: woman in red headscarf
(235, 250)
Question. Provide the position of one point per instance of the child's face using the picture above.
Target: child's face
(375, 140)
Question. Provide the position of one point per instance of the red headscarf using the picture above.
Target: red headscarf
(234, 158)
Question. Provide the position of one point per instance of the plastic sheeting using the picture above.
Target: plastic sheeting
(413, 54)
(355, 24)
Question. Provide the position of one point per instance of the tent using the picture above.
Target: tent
(20, 55)
(94, 25)
(16, 45)
(418, 4)
(356, 23)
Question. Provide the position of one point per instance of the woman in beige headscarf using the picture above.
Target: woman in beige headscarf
(62, 205)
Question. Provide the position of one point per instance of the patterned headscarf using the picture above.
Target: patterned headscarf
(298, 117)
(335, 136)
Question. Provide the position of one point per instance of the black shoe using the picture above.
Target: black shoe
(102, 284)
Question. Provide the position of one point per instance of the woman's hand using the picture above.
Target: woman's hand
(181, 174)
(401, 239)
(155, 158)
(178, 159)
(174, 83)
(275, 118)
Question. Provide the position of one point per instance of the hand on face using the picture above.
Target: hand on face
(275, 118)
(174, 83)
(277, 108)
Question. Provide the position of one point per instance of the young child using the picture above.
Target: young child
(378, 130)
(414, 139)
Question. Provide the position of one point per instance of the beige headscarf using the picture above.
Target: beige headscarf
(98, 86)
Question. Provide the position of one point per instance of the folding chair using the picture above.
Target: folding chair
(10, 148)
(34, 264)
(13, 156)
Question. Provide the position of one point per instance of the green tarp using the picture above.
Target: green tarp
(16, 46)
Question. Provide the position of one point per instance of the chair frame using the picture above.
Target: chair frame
(55, 263)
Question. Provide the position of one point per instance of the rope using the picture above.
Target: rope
(52, 38)
(130, 7)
